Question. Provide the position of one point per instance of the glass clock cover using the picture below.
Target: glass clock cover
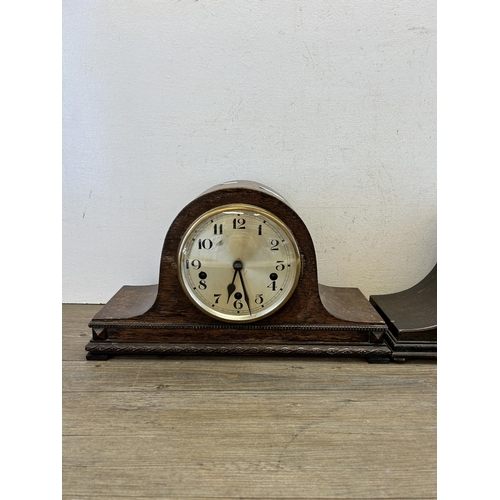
(238, 263)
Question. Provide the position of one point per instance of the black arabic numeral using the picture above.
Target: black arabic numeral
(239, 223)
(274, 244)
(272, 286)
(205, 244)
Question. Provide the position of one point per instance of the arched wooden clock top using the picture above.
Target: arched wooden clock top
(233, 194)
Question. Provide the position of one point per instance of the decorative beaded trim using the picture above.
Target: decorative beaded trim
(246, 326)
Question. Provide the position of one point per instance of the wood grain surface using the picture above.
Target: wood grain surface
(240, 427)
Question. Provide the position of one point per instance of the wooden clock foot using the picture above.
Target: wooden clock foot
(378, 359)
(95, 356)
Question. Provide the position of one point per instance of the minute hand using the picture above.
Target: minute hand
(245, 294)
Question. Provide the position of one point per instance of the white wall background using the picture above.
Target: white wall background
(330, 103)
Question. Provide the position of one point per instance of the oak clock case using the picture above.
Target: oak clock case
(238, 275)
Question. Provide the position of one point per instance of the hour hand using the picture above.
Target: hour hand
(245, 294)
(231, 287)
(237, 265)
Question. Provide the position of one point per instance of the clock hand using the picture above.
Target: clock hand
(237, 265)
(231, 287)
(245, 295)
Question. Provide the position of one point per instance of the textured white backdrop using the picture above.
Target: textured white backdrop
(330, 103)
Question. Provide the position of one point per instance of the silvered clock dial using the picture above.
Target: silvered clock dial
(238, 263)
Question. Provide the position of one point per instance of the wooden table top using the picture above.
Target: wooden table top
(233, 427)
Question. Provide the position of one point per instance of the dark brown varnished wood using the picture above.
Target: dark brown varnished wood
(334, 321)
(411, 316)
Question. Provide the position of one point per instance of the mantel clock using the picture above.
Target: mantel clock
(238, 275)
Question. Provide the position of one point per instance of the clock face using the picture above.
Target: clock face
(238, 263)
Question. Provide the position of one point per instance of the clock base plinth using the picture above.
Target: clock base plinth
(127, 325)
(104, 350)
(402, 350)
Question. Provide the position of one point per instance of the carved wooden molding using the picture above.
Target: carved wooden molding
(236, 349)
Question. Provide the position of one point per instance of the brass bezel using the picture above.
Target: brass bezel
(238, 207)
